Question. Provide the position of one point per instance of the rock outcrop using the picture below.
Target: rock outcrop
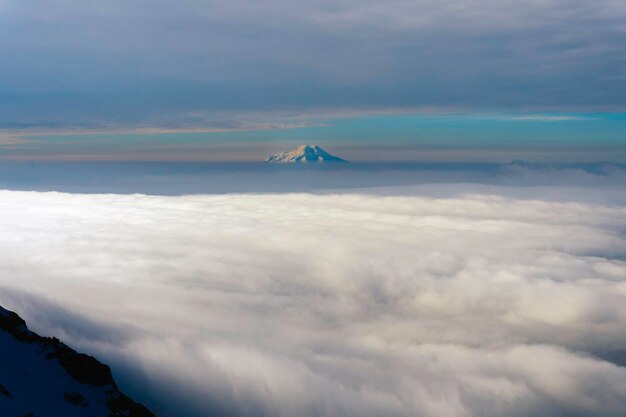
(43, 377)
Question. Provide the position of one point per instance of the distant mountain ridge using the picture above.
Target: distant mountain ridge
(43, 377)
(305, 153)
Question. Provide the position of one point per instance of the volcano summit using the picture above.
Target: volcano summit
(304, 153)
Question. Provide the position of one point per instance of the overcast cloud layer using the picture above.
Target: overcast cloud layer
(354, 305)
(68, 62)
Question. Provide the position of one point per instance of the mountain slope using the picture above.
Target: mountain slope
(305, 153)
(42, 377)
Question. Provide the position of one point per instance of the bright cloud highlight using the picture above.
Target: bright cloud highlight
(329, 305)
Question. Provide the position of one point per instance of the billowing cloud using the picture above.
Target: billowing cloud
(327, 305)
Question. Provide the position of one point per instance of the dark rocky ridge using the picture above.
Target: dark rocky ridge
(83, 369)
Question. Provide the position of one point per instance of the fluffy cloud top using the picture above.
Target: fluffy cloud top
(283, 305)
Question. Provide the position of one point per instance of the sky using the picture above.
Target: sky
(258, 65)
(499, 138)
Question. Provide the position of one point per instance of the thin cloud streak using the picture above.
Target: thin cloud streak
(548, 118)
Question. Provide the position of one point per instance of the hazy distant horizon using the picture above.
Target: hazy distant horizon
(498, 138)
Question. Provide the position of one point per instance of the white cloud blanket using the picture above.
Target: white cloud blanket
(335, 305)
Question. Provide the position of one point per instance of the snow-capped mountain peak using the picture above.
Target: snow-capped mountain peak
(305, 153)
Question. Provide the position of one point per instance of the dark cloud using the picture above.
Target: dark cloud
(146, 61)
(176, 178)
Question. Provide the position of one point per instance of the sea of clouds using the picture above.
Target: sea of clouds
(490, 303)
